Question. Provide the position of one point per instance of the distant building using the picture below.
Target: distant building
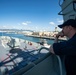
(56, 29)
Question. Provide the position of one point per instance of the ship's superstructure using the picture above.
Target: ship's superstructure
(68, 9)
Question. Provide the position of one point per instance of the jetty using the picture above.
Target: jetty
(46, 37)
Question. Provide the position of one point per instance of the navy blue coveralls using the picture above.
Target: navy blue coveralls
(67, 48)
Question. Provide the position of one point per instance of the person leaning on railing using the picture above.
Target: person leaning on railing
(68, 47)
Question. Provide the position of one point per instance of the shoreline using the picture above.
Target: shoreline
(45, 37)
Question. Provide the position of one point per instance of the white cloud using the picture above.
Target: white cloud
(51, 23)
(26, 23)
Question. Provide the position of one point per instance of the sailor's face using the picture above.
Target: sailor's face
(65, 30)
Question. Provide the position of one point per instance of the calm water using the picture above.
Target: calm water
(25, 37)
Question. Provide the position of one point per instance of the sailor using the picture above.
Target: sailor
(67, 48)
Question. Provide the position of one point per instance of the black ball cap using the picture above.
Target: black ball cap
(70, 22)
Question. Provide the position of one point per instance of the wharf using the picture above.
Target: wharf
(45, 37)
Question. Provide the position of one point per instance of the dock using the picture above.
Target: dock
(46, 37)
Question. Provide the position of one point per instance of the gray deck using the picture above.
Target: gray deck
(14, 59)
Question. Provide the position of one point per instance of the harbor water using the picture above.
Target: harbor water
(21, 36)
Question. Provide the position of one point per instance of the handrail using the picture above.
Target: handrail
(42, 48)
(59, 60)
(60, 65)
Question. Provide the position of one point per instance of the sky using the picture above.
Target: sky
(38, 15)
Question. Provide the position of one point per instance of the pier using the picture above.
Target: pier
(46, 37)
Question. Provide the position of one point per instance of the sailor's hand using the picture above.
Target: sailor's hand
(60, 34)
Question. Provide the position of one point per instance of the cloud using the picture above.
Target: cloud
(51, 23)
(26, 23)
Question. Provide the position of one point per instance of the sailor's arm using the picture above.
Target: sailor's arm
(55, 41)
(51, 49)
